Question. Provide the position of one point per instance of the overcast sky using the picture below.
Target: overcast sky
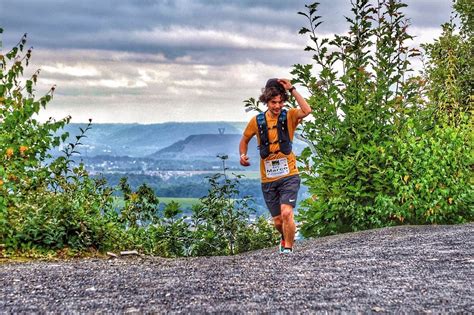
(152, 61)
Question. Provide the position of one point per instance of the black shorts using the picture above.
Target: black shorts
(281, 191)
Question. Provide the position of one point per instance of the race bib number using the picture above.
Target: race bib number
(276, 168)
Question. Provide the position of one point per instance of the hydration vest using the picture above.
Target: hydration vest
(283, 135)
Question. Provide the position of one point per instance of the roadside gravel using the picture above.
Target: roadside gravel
(407, 269)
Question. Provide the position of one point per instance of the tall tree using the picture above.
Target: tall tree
(375, 163)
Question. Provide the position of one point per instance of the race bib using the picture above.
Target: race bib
(276, 168)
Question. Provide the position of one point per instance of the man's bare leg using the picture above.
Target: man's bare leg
(278, 224)
(288, 223)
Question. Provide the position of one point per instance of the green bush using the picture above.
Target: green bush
(387, 151)
(222, 221)
(64, 208)
(43, 205)
(431, 176)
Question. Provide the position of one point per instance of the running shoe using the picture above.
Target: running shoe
(287, 251)
(282, 245)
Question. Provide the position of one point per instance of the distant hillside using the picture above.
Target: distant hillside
(138, 140)
(167, 140)
(209, 145)
(206, 145)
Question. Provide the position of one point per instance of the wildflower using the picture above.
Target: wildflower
(9, 153)
(23, 149)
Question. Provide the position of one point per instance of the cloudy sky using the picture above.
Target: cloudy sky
(152, 61)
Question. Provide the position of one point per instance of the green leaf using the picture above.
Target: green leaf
(304, 30)
(304, 14)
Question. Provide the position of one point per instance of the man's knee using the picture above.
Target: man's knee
(286, 212)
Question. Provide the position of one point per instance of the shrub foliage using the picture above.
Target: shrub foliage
(391, 147)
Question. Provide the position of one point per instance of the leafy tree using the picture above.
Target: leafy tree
(173, 234)
(375, 144)
(450, 68)
(221, 216)
(24, 142)
(431, 160)
(44, 204)
(361, 99)
(140, 207)
(222, 221)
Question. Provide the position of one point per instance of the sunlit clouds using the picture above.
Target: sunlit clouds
(150, 92)
(74, 71)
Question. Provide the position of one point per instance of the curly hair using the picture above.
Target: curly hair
(271, 92)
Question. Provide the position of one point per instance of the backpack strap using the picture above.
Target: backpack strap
(264, 146)
(283, 133)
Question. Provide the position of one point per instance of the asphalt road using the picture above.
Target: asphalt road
(409, 269)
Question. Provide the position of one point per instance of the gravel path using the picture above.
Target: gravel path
(409, 269)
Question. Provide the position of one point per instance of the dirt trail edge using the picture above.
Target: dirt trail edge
(400, 269)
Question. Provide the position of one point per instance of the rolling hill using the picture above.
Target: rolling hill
(206, 145)
(139, 140)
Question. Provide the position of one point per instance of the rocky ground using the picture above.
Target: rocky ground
(409, 269)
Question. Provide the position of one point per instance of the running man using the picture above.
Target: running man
(275, 129)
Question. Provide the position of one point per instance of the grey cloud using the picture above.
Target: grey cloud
(110, 25)
(87, 15)
(88, 24)
(428, 13)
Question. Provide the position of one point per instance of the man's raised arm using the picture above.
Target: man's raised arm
(304, 108)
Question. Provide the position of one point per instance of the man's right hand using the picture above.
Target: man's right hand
(244, 160)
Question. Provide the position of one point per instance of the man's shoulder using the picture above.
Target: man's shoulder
(252, 124)
(292, 111)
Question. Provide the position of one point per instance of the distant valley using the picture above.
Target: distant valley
(172, 158)
(167, 146)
